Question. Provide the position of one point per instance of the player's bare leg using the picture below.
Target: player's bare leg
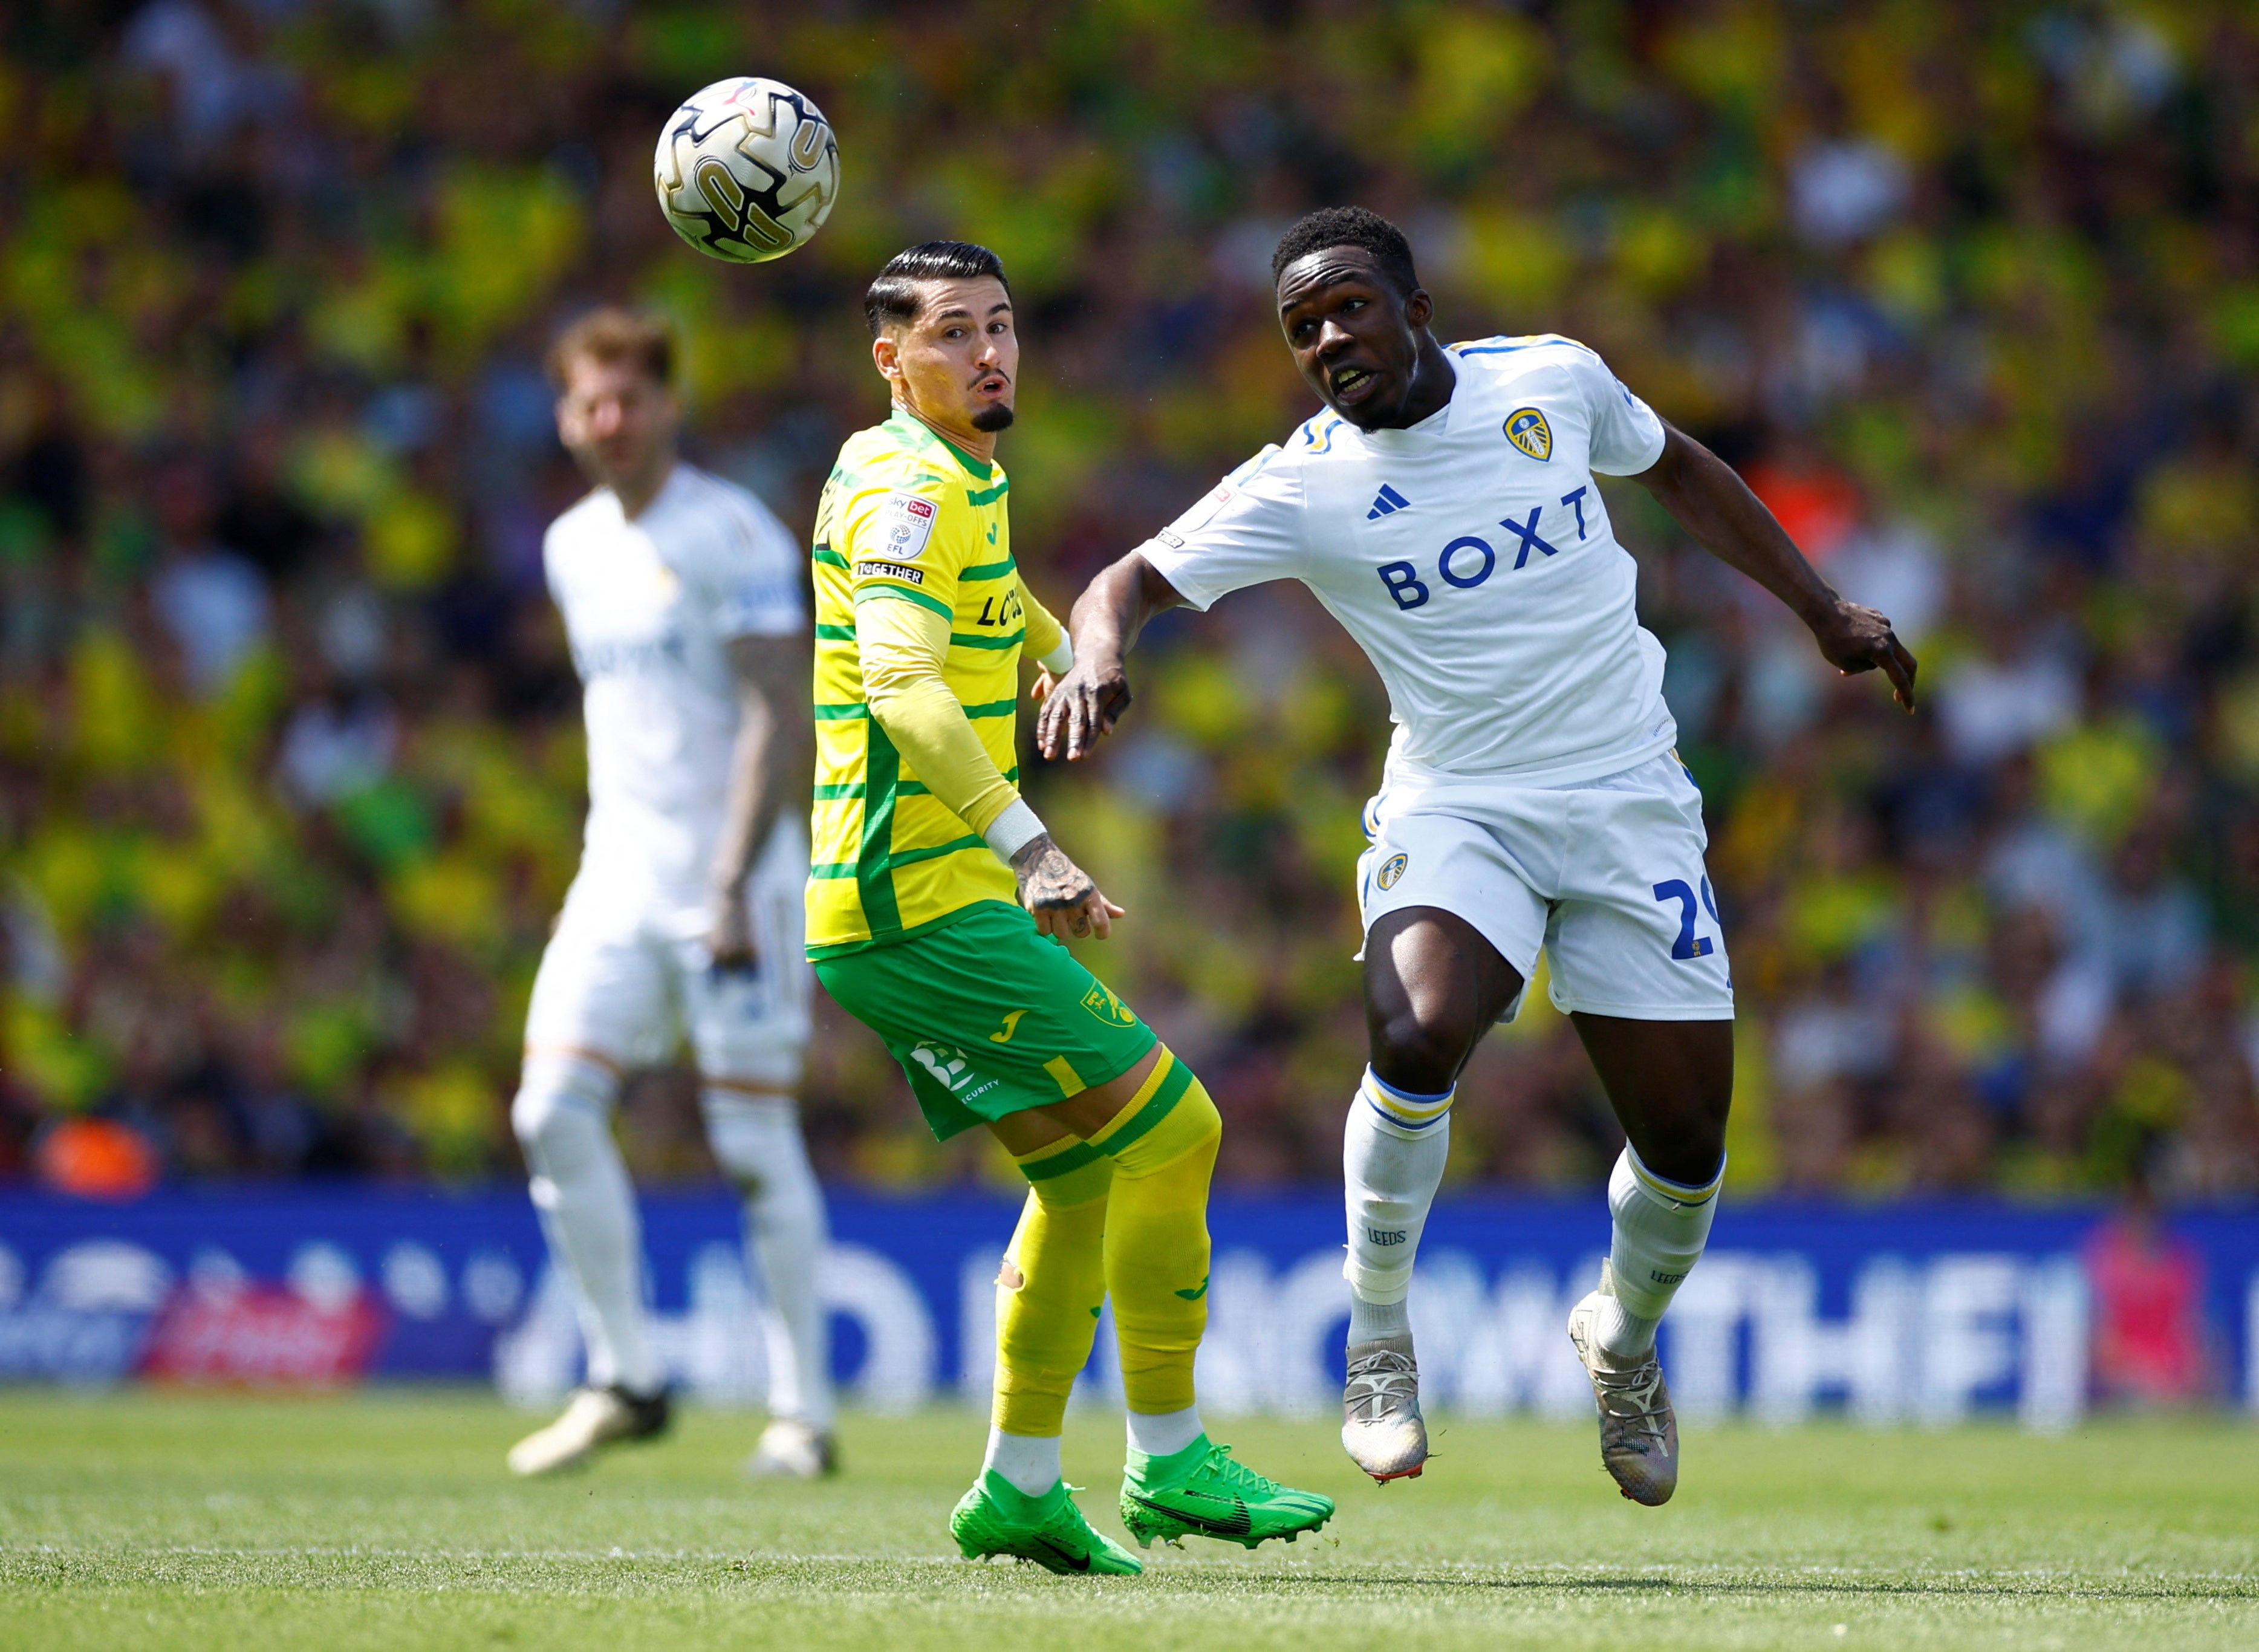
(1433, 987)
(1671, 1083)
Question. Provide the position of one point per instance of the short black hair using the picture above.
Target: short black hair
(893, 295)
(1348, 226)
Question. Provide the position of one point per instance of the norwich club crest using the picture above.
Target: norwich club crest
(1526, 429)
(1101, 1002)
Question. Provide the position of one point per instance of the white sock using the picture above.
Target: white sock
(1660, 1228)
(1029, 1460)
(1623, 1335)
(1369, 1321)
(1392, 1152)
(581, 1188)
(757, 1141)
(1163, 1434)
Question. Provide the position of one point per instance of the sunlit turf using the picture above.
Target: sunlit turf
(136, 1521)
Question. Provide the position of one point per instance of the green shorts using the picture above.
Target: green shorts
(986, 1016)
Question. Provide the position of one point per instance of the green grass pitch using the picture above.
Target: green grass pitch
(133, 1521)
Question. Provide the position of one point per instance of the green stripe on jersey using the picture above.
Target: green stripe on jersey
(934, 852)
(833, 791)
(838, 869)
(986, 570)
(903, 593)
(956, 639)
(847, 711)
(874, 882)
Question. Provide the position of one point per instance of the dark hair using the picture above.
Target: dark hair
(615, 335)
(893, 295)
(1348, 226)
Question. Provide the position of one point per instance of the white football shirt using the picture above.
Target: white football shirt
(1471, 557)
(648, 606)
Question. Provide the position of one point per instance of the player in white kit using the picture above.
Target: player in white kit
(1443, 510)
(681, 594)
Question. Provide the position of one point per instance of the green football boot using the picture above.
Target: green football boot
(997, 1518)
(1201, 1491)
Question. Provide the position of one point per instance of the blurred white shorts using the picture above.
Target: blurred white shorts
(630, 979)
(1606, 876)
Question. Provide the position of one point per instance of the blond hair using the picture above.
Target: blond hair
(609, 335)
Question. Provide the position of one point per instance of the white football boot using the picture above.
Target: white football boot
(791, 1449)
(593, 1417)
(1382, 1429)
(1639, 1436)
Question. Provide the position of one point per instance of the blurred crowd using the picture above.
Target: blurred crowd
(290, 763)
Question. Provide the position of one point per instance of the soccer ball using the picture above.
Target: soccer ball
(747, 169)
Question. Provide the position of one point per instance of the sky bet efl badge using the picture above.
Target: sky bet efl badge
(907, 521)
(1526, 429)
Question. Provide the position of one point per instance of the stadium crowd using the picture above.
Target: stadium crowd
(289, 751)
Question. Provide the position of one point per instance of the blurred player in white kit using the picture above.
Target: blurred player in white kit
(681, 594)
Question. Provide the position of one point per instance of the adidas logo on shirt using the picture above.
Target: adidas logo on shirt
(1387, 504)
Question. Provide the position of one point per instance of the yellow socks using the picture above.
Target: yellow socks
(1049, 1291)
(1162, 1147)
(1124, 1214)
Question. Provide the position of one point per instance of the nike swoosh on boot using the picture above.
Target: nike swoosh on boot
(1236, 1524)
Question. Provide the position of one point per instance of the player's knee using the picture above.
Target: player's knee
(1190, 1125)
(1420, 1055)
(1691, 1153)
(1687, 1142)
(560, 1104)
(1696, 1140)
(1203, 1122)
(757, 1141)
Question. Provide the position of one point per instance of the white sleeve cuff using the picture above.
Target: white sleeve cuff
(1060, 661)
(1014, 829)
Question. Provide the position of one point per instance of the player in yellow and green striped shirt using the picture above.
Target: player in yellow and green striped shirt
(935, 908)
(926, 523)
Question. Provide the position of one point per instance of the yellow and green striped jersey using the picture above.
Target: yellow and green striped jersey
(907, 517)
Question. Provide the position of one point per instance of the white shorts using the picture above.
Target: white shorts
(629, 979)
(1606, 876)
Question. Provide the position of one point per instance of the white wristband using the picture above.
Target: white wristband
(1014, 829)
(1060, 661)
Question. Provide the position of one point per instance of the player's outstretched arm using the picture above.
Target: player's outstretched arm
(1091, 697)
(1714, 504)
(901, 647)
